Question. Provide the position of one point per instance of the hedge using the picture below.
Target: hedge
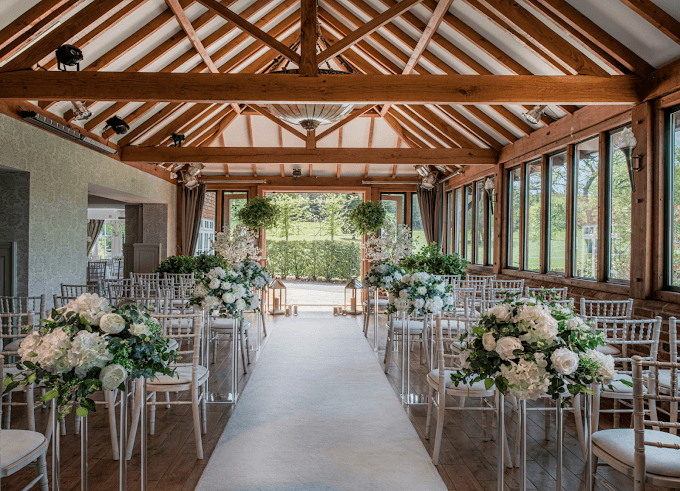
(325, 259)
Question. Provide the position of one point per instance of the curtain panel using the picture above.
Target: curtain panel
(431, 203)
(192, 210)
(94, 228)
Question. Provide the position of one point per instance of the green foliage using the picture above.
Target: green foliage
(294, 208)
(314, 259)
(432, 260)
(368, 216)
(191, 264)
(334, 209)
(259, 213)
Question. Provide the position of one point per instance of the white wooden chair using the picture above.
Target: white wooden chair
(20, 448)
(77, 290)
(663, 379)
(139, 277)
(440, 384)
(368, 308)
(191, 375)
(220, 326)
(417, 329)
(647, 455)
(449, 279)
(553, 293)
(604, 310)
(503, 289)
(640, 336)
(22, 305)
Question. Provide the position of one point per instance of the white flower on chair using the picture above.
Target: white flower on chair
(112, 376)
(489, 341)
(112, 323)
(506, 346)
(564, 361)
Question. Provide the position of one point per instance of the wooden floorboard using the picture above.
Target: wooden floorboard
(467, 461)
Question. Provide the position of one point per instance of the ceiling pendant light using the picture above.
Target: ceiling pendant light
(310, 116)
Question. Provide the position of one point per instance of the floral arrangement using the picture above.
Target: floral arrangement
(383, 275)
(237, 245)
(368, 216)
(228, 291)
(87, 346)
(391, 246)
(254, 274)
(259, 212)
(529, 349)
(432, 260)
(420, 294)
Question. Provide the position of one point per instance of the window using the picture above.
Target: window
(619, 212)
(469, 224)
(232, 202)
(417, 232)
(533, 217)
(479, 222)
(557, 227)
(449, 222)
(514, 215)
(673, 194)
(490, 230)
(110, 240)
(458, 220)
(206, 231)
(395, 204)
(586, 169)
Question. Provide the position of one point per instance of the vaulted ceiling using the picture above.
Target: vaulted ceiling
(409, 37)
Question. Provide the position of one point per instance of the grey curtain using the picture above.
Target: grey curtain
(94, 227)
(192, 209)
(432, 211)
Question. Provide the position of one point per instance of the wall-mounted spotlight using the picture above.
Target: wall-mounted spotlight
(177, 139)
(80, 111)
(117, 124)
(195, 169)
(68, 55)
(626, 142)
(534, 116)
(297, 173)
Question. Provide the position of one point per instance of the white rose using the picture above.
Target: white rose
(240, 304)
(112, 323)
(139, 329)
(214, 284)
(112, 375)
(564, 361)
(489, 341)
(501, 312)
(574, 322)
(220, 273)
(421, 290)
(506, 345)
(403, 294)
(419, 303)
(228, 298)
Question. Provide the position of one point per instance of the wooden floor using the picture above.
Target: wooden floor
(467, 462)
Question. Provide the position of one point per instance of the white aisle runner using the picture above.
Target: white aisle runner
(318, 414)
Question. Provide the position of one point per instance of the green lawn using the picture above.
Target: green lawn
(311, 231)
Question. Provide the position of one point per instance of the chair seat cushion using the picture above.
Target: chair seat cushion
(183, 376)
(17, 444)
(619, 387)
(609, 349)
(382, 303)
(476, 387)
(415, 327)
(13, 346)
(173, 344)
(665, 379)
(620, 443)
(219, 324)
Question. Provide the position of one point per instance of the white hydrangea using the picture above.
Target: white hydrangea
(200, 290)
(28, 347)
(52, 352)
(89, 306)
(88, 350)
(605, 363)
(539, 323)
(237, 245)
(526, 380)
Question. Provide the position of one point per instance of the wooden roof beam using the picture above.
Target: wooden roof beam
(195, 135)
(251, 29)
(224, 124)
(374, 24)
(656, 16)
(148, 125)
(309, 66)
(188, 29)
(415, 129)
(264, 112)
(132, 117)
(178, 124)
(262, 155)
(471, 127)
(351, 117)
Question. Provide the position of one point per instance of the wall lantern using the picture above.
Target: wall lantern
(279, 297)
(627, 143)
(351, 293)
(489, 188)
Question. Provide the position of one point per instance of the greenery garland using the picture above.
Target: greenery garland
(259, 213)
(432, 260)
(368, 216)
(190, 264)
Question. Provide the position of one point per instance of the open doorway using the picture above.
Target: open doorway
(314, 247)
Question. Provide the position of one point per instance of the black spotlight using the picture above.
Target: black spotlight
(297, 173)
(177, 139)
(68, 55)
(117, 125)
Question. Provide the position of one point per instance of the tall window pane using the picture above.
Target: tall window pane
(674, 198)
(417, 231)
(232, 202)
(449, 222)
(469, 221)
(458, 221)
(619, 209)
(395, 204)
(206, 231)
(558, 212)
(479, 229)
(514, 210)
(533, 218)
(586, 169)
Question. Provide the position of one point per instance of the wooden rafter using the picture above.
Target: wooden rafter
(132, 117)
(352, 116)
(656, 16)
(308, 28)
(470, 126)
(188, 29)
(194, 136)
(376, 23)
(224, 124)
(251, 29)
(148, 125)
(371, 129)
(398, 111)
(262, 155)
(264, 112)
(181, 124)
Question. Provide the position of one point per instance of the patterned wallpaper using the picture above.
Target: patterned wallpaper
(59, 175)
(14, 212)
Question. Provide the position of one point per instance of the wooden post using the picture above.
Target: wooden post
(545, 216)
(641, 253)
(522, 219)
(308, 28)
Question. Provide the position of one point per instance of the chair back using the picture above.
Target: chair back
(115, 269)
(503, 289)
(449, 279)
(569, 303)
(23, 305)
(478, 283)
(122, 289)
(188, 278)
(548, 293)
(188, 331)
(155, 305)
(96, 270)
(650, 392)
(14, 327)
(138, 277)
(636, 337)
(607, 309)
(61, 301)
(78, 290)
